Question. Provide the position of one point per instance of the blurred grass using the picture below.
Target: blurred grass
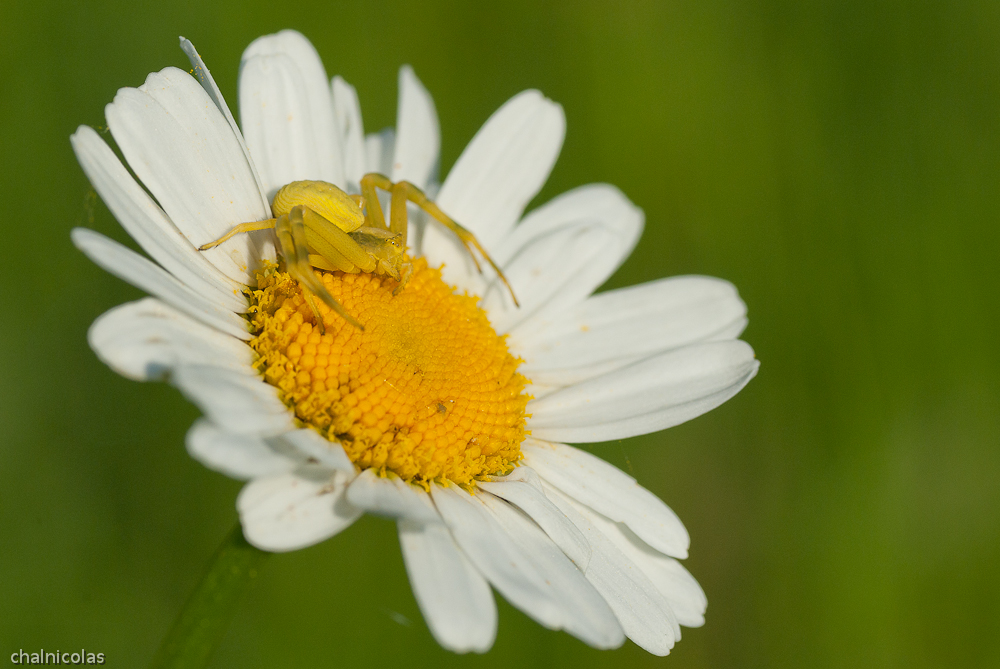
(838, 161)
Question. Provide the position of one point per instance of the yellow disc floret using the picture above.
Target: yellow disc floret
(427, 390)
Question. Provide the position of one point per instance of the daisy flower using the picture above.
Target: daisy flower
(449, 411)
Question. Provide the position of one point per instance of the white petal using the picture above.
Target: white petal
(495, 555)
(391, 496)
(653, 394)
(585, 613)
(234, 401)
(612, 329)
(207, 82)
(347, 111)
(607, 489)
(672, 580)
(129, 266)
(240, 456)
(500, 171)
(317, 447)
(523, 489)
(542, 583)
(562, 252)
(538, 390)
(442, 249)
(504, 166)
(295, 510)
(146, 339)
(379, 149)
(455, 599)
(286, 109)
(148, 225)
(179, 144)
(418, 136)
(641, 610)
(732, 331)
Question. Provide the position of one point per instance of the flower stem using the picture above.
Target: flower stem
(205, 617)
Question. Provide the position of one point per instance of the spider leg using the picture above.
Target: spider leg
(397, 206)
(338, 247)
(286, 242)
(253, 226)
(397, 211)
(404, 277)
(374, 218)
(469, 241)
(294, 247)
(320, 262)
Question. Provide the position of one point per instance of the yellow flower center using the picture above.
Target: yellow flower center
(427, 390)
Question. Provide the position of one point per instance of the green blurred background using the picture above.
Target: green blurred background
(838, 161)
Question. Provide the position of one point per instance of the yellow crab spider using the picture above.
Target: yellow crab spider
(318, 225)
